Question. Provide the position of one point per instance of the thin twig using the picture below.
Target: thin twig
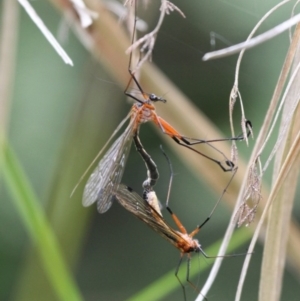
(235, 89)
(48, 35)
(147, 42)
(270, 34)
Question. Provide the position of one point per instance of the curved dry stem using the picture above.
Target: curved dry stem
(260, 143)
(265, 132)
(268, 35)
(280, 213)
(235, 89)
(292, 14)
(252, 192)
(286, 121)
(274, 256)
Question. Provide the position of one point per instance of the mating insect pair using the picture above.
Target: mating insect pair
(148, 209)
(104, 182)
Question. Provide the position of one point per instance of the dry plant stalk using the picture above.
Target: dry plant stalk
(280, 212)
(285, 149)
(246, 212)
(147, 42)
(272, 264)
(250, 193)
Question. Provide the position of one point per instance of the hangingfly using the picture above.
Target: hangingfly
(148, 209)
(182, 240)
(110, 169)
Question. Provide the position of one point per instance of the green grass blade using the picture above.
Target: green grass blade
(38, 227)
(167, 284)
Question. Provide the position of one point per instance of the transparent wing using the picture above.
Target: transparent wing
(101, 151)
(132, 202)
(108, 173)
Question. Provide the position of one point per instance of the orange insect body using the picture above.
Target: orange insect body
(142, 113)
(107, 175)
(146, 112)
(187, 244)
(143, 210)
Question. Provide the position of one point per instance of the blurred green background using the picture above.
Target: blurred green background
(61, 116)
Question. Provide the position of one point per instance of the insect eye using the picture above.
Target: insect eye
(153, 97)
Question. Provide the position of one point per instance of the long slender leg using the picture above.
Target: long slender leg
(240, 137)
(229, 163)
(176, 275)
(152, 171)
(188, 276)
(169, 130)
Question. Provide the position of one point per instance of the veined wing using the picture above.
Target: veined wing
(108, 173)
(132, 202)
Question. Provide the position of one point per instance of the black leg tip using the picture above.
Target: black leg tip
(248, 123)
(229, 163)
